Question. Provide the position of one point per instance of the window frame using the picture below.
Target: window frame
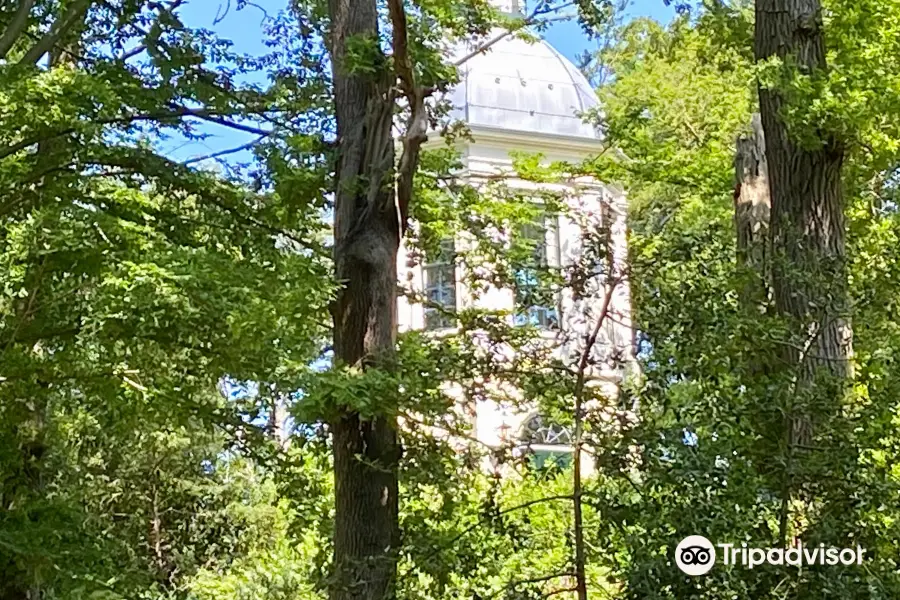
(541, 452)
(547, 253)
(443, 265)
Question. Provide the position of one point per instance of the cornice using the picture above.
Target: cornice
(528, 141)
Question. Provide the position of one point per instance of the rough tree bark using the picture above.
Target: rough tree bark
(752, 205)
(371, 201)
(809, 280)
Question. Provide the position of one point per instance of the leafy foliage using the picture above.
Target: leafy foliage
(133, 288)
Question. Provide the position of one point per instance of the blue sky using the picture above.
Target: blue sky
(567, 37)
(244, 28)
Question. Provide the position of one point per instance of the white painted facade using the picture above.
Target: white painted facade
(523, 97)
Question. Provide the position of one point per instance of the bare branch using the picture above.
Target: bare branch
(263, 10)
(133, 52)
(221, 153)
(527, 22)
(173, 113)
(220, 16)
(212, 118)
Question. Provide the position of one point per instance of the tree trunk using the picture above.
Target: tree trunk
(752, 205)
(807, 220)
(809, 280)
(581, 591)
(367, 230)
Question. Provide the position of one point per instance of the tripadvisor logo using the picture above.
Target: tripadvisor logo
(696, 555)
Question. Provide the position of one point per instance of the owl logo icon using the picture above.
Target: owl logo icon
(695, 555)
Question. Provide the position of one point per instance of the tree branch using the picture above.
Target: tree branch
(174, 113)
(402, 63)
(16, 27)
(129, 54)
(540, 579)
(226, 152)
(417, 124)
(560, 591)
(590, 341)
(153, 165)
(62, 25)
(530, 20)
(505, 511)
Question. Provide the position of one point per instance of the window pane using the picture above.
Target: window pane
(531, 307)
(548, 444)
(536, 234)
(544, 459)
(538, 431)
(437, 320)
(440, 287)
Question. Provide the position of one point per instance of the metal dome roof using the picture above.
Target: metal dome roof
(522, 86)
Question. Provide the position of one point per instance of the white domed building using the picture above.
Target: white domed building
(524, 97)
(529, 88)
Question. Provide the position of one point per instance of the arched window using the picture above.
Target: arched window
(541, 432)
(546, 443)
